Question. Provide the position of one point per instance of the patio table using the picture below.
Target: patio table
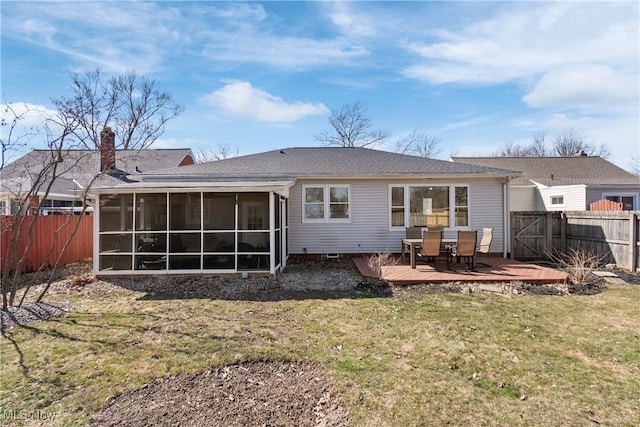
(413, 244)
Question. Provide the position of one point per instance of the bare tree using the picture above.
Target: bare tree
(130, 103)
(511, 149)
(538, 147)
(221, 152)
(29, 190)
(10, 140)
(420, 144)
(564, 145)
(570, 144)
(133, 106)
(350, 127)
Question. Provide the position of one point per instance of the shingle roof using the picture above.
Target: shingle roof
(83, 165)
(552, 171)
(326, 162)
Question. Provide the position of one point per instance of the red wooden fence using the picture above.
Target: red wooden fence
(47, 231)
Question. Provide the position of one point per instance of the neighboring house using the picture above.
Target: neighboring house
(564, 183)
(75, 170)
(250, 213)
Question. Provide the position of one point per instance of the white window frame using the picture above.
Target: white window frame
(326, 203)
(392, 206)
(623, 194)
(452, 204)
(556, 205)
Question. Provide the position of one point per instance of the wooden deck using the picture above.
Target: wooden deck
(499, 270)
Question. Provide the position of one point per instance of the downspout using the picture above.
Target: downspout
(506, 218)
(96, 237)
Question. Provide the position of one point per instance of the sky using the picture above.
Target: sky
(258, 76)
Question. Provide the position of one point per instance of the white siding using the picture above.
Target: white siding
(368, 230)
(523, 198)
(574, 197)
(486, 210)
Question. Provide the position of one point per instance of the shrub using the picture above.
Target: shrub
(579, 265)
(380, 259)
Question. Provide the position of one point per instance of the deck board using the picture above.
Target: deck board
(500, 270)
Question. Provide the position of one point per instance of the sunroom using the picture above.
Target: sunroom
(182, 230)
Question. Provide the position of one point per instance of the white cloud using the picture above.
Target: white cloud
(261, 39)
(25, 115)
(462, 124)
(584, 86)
(98, 34)
(529, 39)
(24, 124)
(280, 51)
(241, 99)
(144, 35)
(350, 23)
(239, 12)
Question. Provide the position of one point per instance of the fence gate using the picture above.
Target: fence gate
(614, 237)
(531, 235)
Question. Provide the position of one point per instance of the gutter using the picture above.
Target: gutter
(229, 177)
(631, 187)
(152, 187)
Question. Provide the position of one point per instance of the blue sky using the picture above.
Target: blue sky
(265, 75)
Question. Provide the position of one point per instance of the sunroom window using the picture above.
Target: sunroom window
(190, 231)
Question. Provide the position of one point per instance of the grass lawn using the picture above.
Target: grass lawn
(480, 359)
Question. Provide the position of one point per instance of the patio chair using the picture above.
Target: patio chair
(431, 247)
(411, 233)
(465, 247)
(485, 244)
(414, 232)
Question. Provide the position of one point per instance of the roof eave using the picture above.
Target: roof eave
(281, 186)
(416, 175)
(629, 186)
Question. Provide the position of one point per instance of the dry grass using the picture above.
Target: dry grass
(432, 360)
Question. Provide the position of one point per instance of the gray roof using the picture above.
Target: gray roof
(83, 165)
(552, 171)
(325, 162)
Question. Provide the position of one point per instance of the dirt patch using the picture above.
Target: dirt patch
(248, 394)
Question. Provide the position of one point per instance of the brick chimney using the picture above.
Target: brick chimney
(107, 149)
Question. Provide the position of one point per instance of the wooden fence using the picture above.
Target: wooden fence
(611, 235)
(49, 236)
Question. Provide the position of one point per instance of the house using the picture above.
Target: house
(563, 183)
(249, 213)
(28, 177)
